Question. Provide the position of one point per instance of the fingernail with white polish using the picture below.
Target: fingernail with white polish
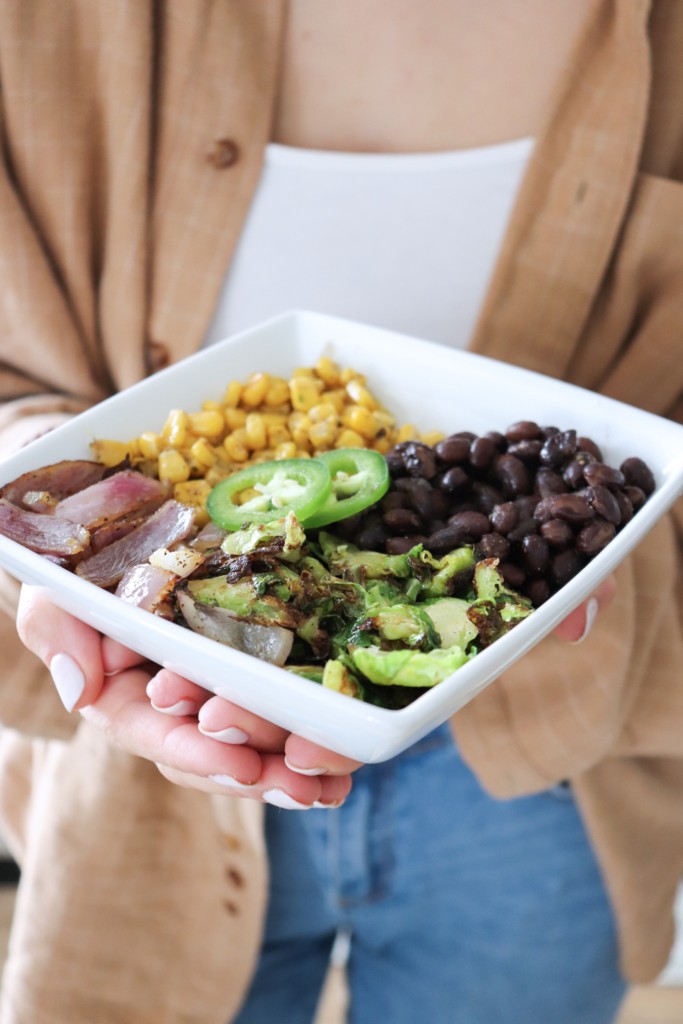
(304, 771)
(591, 612)
(230, 735)
(229, 782)
(68, 679)
(327, 807)
(182, 707)
(278, 798)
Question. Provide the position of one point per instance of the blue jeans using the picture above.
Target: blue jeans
(461, 909)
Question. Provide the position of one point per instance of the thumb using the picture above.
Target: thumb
(69, 648)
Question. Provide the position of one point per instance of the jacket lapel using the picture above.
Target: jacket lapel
(573, 198)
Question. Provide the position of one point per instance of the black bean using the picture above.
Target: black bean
(547, 481)
(526, 504)
(523, 430)
(604, 502)
(557, 533)
(565, 565)
(572, 474)
(493, 545)
(538, 591)
(558, 448)
(402, 520)
(524, 528)
(470, 526)
(394, 461)
(528, 451)
(482, 452)
(513, 574)
(394, 499)
(573, 508)
(372, 537)
(420, 494)
(453, 480)
(513, 475)
(625, 507)
(453, 449)
(504, 517)
(442, 541)
(593, 537)
(536, 554)
(486, 496)
(586, 444)
(600, 473)
(638, 474)
(545, 509)
(636, 496)
(401, 545)
(498, 439)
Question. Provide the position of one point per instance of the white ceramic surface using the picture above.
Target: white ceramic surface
(424, 383)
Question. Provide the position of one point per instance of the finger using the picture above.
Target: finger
(116, 657)
(227, 722)
(174, 695)
(124, 713)
(578, 624)
(70, 649)
(274, 787)
(308, 758)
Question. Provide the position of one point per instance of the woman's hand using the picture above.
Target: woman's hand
(107, 683)
(578, 624)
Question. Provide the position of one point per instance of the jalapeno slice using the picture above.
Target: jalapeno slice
(360, 477)
(300, 486)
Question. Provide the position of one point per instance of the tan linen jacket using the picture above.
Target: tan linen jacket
(132, 137)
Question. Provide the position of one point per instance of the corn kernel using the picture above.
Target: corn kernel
(150, 445)
(359, 394)
(234, 418)
(299, 425)
(192, 492)
(202, 454)
(322, 411)
(277, 393)
(360, 419)
(328, 371)
(348, 374)
(286, 450)
(209, 404)
(349, 439)
(176, 428)
(255, 391)
(382, 445)
(337, 397)
(407, 432)
(173, 468)
(323, 435)
(207, 423)
(278, 434)
(304, 393)
(235, 446)
(303, 371)
(232, 394)
(246, 495)
(110, 453)
(432, 437)
(255, 431)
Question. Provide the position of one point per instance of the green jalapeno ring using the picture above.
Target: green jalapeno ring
(300, 486)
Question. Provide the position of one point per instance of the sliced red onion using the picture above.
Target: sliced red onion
(42, 533)
(109, 499)
(146, 586)
(169, 524)
(269, 643)
(59, 480)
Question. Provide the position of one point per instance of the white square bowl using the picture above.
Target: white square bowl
(420, 382)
